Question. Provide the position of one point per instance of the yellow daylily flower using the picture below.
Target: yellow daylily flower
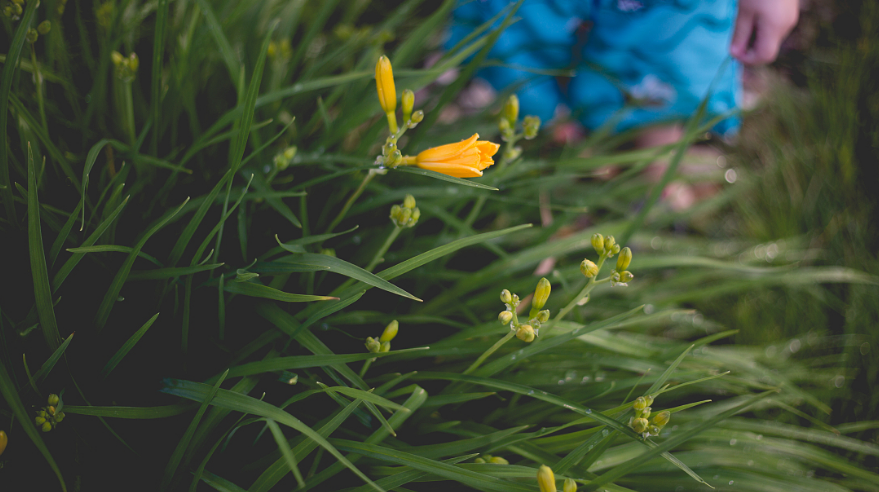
(465, 159)
(387, 91)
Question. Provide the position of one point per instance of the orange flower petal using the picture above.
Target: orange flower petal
(449, 150)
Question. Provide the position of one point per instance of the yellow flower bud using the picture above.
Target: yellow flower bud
(639, 404)
(46, 427)
(530, 126)
(541, 294)
(609, 243)
(511, 110)
(51, 410)
(598, 243)
(53, 400)
(624, 259)
(546, 479)
(497, 460)
(3, 441)
(479, 460)
(639, 425)
(407, 102)
(409, 201)
(506, 297)
(31, 36)
(649, 399)
(44, 27)
(525, 333)
(570, 485)
(543, 316)
(416, 118)
(39, 420)
(386, 347)
(661, 418)
(384, 83)
(653, 430)
(614, 250)
(626, 277)
(588, 268)
(390, 331)
(372, 345)
(59, 417)
(505, 317)
(272, 50)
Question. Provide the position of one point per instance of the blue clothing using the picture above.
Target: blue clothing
(643, 61)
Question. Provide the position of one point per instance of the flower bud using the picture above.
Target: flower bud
(407, 102)
(416, 118)
(570, 485)
(624, 259)
(372, 345)
(626, 277)
(661, 418)
(506, 297)
(639, 425)
(515, 300)
(505, 317)
(39, 420)
(409, 202)
(390, 331)
(639, 404)
(503, 125)
(51, 410)
(479, 460)
(588, 268)
(384, 83)
(645, 414)
(614, 250)
(598, 243)
(511, 110)
(53, 400)
(31, 36)
(3, 441)
(497, 460)
(546, 479)
(653, 430)
(525, 333)
(116, 57)
(385, 347)
(541, 294)
(609, 243)
(59, 417)
(44, 27)
(530, 126)
(46, 427)
(543, 316)
(649, 399)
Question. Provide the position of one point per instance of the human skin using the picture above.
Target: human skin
(760, 27)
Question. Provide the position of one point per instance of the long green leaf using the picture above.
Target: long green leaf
(444, 177)
(42, 291)
(63, 235)
(47, 366)
(127, 346)
(258, 290)
(244, 403)
(122, 275)
(162, 273)
(106, 248)
(306, 361)
(137, 413)
(285, 451)
(156, 84)
(10, 394)
(9, 68)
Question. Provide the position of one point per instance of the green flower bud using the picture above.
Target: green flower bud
(609, 243)
(649, 399)
(116, 57)
(598, 243)
(614, 250)
(515, 300)
(408, 102)
(409, 201)
(59, 417)
(530, 126)
(31, 36)
(546, 479)
(416, 118)
(543, 316)
(328, 252)
(541, 294)
(51, 410)
(645, 414)
(46, 427)
(513, 154)
(506, 297)
(570, 485)
(511, 110)
(479, 460)
(626, 277)
(53, 400)
(525, 333)
(624, 259)
(639, 404)
(44, 27)
(639, 425)
(661, 418)
(39, 420)
(588, 268)
(503, 125)
(497, 460)
(390, 331)
(505, 317)
(372, 345)
(653, 430)
(290, 152)
(386, 347)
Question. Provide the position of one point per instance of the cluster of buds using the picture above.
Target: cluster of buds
(406, 215)
(282, 160)
(13, 9)
(48, 417)
(126, 67)
(383, 343)
(641, 422)
(526, 332)
(387, 97)
(546, 481)
(507, 126)
(606, 247)
(495, 460)
(280, 51)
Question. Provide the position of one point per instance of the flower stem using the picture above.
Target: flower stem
(38, 82)
(384, 249)
(500, 343)
(371, 174)
(583, 293)
(365, 367)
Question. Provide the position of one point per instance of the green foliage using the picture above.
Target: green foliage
(256, 375)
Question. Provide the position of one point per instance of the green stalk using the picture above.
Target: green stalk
(384, 249)
(583, 293)
(500, 343)
(371, 174)
(38, 82)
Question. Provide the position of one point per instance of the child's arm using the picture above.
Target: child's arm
(767, 22)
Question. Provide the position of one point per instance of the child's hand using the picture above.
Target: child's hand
(767, 22)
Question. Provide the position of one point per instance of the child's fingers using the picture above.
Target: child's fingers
(766, 43)
(742, 34)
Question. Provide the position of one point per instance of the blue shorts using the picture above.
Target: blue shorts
(642, 62)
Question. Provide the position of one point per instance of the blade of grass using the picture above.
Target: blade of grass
(163, 273)
(127, 346)
(39, 272)
(107, 248)
(444, 177)
(285, 451)
(156, 85)
(258, 290)
(63, 235)
(47, 366)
